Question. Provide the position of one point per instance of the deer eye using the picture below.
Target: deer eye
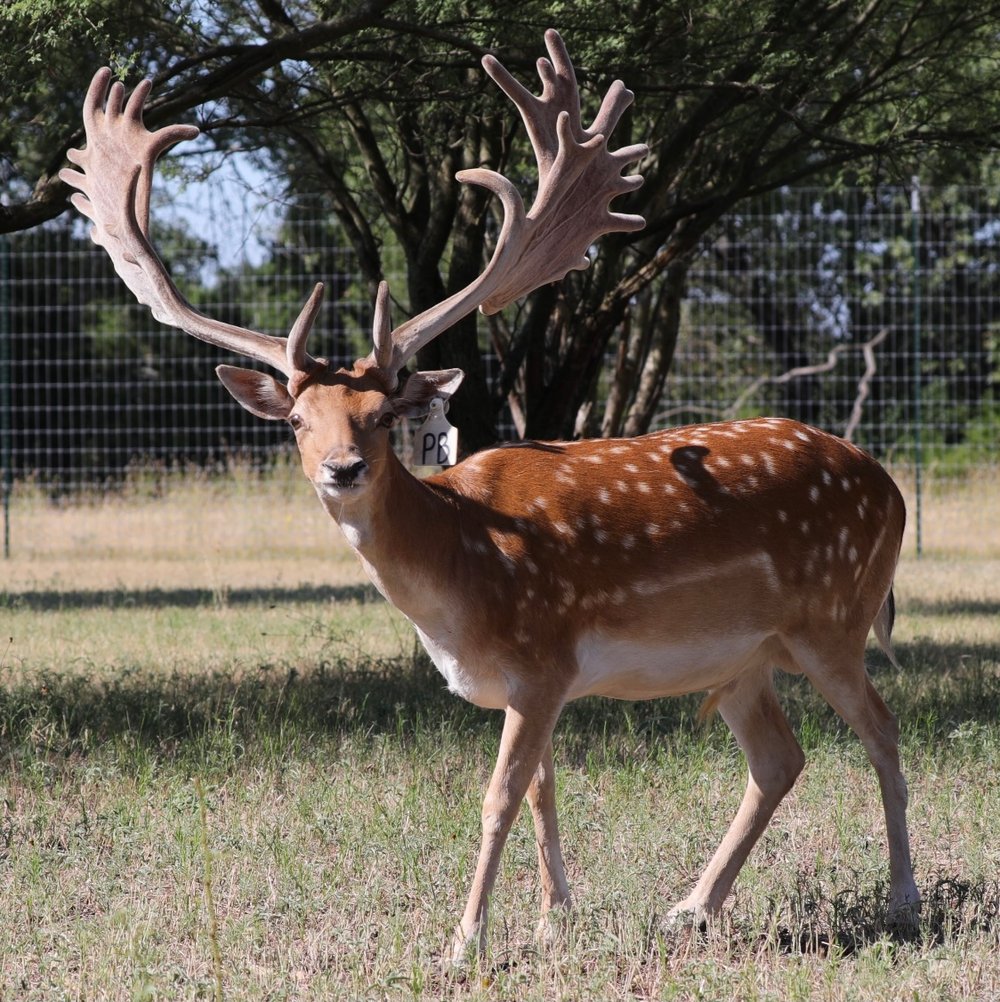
(387, 420)
(296, 421)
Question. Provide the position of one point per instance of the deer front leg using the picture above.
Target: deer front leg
(542, 800)
(527, 732)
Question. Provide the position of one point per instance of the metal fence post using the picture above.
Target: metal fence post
(6, 423)
(918, 458)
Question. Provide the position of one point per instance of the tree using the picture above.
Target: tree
(382, 106)
(759, 97)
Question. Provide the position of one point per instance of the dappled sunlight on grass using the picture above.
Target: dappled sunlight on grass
(343, 804)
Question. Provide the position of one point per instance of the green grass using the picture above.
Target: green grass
(231, 778)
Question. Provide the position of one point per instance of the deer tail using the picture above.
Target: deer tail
(883, 627)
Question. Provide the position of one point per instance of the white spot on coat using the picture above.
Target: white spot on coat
(843, 535)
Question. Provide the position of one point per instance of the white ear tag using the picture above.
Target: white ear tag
(435, 442)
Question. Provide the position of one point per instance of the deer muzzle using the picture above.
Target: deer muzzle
(342, 473)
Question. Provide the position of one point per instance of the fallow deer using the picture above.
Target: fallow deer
(699, 558)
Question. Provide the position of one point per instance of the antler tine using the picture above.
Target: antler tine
(578, 176)
(381, 332)
(298, 360)
(113, 185)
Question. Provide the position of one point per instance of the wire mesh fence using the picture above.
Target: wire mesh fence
(875, 315)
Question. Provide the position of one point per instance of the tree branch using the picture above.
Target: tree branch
(832, 359)
(864, 383)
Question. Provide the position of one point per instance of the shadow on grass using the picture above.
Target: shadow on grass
(183, 598)
(943, 688)
(854, 920)
(953, 607)
(207, 715)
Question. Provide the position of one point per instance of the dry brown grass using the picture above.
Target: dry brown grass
(199, 533)
(959, 518)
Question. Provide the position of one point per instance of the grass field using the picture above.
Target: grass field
(228, 774)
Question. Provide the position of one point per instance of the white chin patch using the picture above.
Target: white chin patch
(332, 491)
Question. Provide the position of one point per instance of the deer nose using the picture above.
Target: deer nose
(343, 472)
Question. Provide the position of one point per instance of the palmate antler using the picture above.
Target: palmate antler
(114, 185)
(577, 178)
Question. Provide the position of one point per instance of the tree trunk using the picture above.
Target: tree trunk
(665, 320)
(633, 344)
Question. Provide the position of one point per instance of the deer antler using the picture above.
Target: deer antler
(577, 177)
(114, 181)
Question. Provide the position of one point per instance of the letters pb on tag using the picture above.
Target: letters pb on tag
(435, 442)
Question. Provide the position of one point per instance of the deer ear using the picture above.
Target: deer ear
(258, 392)
(414, 399)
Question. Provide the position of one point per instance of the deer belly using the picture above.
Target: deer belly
(481, 686)
(629, 668)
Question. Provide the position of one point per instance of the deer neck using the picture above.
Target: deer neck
(402, 531)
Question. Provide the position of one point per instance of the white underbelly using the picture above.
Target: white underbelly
(625, 668)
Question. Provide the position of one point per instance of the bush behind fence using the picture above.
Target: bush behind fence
(871, 313)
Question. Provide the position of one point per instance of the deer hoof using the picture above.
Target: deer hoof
(465, 950)
(687, 917)
(553, 926)
(903, 916)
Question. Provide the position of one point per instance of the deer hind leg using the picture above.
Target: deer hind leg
(542, 801)
(527, 733)
(774, 761)
(843, 681)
